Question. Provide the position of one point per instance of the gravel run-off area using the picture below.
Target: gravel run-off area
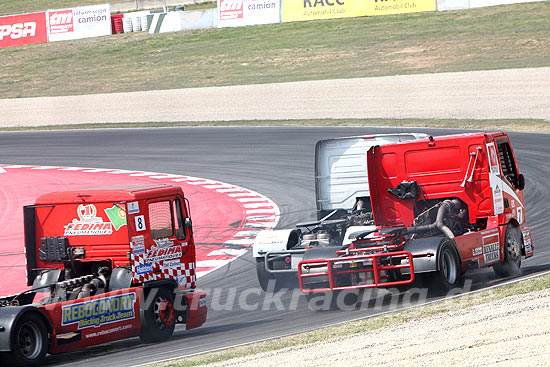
(489, 94)
(514, 331)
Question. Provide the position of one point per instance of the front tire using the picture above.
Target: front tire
(513, 241)
(30, 341)
(158, 320)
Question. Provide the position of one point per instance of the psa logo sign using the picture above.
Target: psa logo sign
(25, 29)
(61, 21)
(231, 9)
(18, 30)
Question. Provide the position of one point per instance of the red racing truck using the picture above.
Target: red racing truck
(111, 263)
(441, 205)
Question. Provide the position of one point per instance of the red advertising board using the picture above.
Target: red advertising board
(16, 30)
(231, 9)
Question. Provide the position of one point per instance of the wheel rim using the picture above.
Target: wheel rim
(513, 246)
(29, 340)
(448, 267)
(164, 312)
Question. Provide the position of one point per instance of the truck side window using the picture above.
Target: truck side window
(507, 162)
(178, 220)
(160, 219)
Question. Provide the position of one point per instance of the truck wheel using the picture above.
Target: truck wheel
(448, 275)
(512, 253)
(263, 275)
(30, 341)
(159, 319)
(264, 278)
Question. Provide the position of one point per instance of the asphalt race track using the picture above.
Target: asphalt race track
(275, 161)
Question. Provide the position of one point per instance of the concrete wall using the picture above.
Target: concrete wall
(132, 5)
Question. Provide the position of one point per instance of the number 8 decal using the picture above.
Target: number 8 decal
(140, 222)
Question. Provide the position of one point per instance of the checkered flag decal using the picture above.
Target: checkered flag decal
(182, 273)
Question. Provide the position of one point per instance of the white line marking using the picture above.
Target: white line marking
(246, 234)
(229, 190)
(257, 211)
(261, 217)
(120, 172)
(239, 194)
(252, 200)
(258, 205)
(45, 167)
(16, 166)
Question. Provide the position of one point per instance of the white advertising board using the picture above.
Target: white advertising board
(80, 22)
(238, 13)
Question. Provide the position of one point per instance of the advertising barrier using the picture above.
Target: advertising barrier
(16, 30)
(77, 23)
(238, 13)
(296, 10)
(381, 7)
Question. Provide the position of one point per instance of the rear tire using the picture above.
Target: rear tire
(271, 282)
(159, 319)
(30, 341)
(261, 272)
(448, 275)
(513, 241)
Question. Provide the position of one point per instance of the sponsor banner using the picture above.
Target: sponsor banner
(237, 13)
(17, 30)
(383, 7)
(88, 223)
(81, 22)
(491, 249)
(295, 10)
(99, 311)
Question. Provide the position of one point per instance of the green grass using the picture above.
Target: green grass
(506, 125)
(513, 36)
(26, 6)
(366, 325)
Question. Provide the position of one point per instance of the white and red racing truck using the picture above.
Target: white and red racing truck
(343, 206)
(110, 263)
(441, 206)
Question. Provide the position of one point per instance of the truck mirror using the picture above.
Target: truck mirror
(521, 181)
(187, 223)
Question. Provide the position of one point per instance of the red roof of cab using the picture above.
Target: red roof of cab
(113, 193)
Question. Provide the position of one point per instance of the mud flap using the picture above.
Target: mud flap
(429, 247)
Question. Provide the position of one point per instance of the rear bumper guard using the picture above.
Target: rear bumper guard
(375, 267)
(277, 255)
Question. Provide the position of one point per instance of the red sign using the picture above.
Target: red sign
(61, 21)
(231, 9)
(16, 30)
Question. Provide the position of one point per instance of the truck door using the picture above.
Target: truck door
(506, 181)
(171, 253)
